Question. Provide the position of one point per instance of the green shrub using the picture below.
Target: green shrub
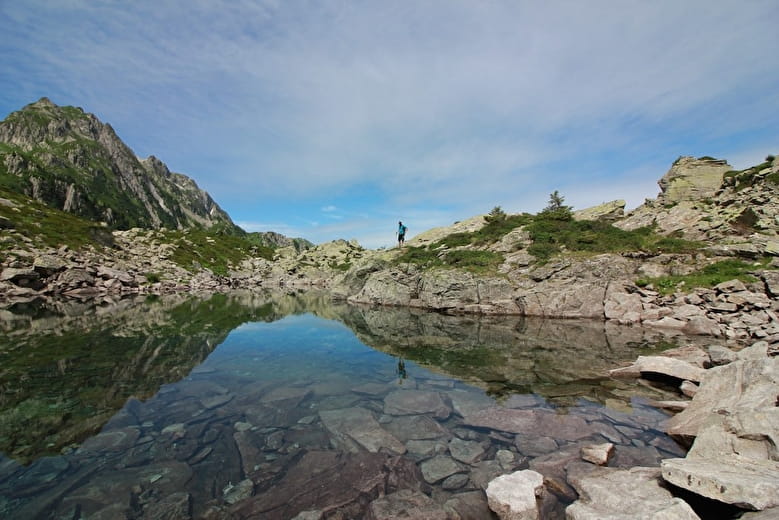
(707, 277)
(153, 278)
(476, 261)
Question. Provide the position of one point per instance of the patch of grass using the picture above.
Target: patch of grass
(153, 278)
(709, 276)
(216, 251)
(551, 235)
(474, 260)
(48, 227)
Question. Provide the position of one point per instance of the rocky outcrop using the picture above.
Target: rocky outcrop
(626, 495)
(608, 211)
(732, 424)
(692, 179)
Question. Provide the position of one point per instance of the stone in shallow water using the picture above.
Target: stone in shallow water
(241, 491)
(216, 401)
(471, 505)
(468, 452)
(410, 402)
(532, 446)
(331, 481)
(598, 454)
(415, 427)
(425, 448)
(407, 504)
(439, 467)
(117, 440)
(466, 403)
(532, 422)
(350, 427)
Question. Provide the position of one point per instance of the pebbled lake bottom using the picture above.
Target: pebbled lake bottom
(281, 406)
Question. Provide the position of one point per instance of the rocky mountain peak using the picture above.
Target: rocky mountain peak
(70, 160)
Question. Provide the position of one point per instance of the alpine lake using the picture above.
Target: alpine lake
(271, 405)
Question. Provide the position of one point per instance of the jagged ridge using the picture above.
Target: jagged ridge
(70, 160)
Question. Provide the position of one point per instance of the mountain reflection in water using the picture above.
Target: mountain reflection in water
(208, 403)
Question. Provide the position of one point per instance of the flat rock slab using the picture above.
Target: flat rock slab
(513, 496)
(662, 365)
(357, 425)
(412, 402)
(415, 427)
(532, 422)
(632, 494)
(329, 481)
(737, 480)
(407, 504)
(745, 384)
(439, 467)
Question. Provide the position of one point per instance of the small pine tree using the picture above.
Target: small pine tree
(556, 208)
(496, 215)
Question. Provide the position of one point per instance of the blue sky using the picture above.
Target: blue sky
(335, 119)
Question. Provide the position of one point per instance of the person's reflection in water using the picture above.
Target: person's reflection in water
(401, 371)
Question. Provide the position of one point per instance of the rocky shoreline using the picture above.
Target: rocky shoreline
(732, 424)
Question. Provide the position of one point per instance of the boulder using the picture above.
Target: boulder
(745, 482)
(608, 211)
(691, 179)
(513, 496)
(632, 494)
(748, 383)
(662, 365)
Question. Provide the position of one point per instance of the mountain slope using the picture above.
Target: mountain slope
(70, 160)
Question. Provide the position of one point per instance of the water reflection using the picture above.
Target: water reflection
(293, 400)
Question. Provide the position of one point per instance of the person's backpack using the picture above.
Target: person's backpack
(402, 230)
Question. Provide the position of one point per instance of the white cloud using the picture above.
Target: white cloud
(453, 104)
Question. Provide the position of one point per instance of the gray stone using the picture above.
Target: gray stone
(720, 355)
(454, 482)
(409, 402)
(747, 384)
(353, 427)
(406, 504)
(737, 480)
(532, 446)
(531, 422)
(598, 454)
(439, 467)
(661, 365)
(634, 494)
(468, 452)
(471, 505)
(513, 496)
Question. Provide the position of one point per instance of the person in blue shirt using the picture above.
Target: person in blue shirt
(401, 234)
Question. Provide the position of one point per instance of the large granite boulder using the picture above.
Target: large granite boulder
(734, 421)
(633, 494)
(693, 179)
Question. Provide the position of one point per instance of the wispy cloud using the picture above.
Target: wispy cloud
(453, 105)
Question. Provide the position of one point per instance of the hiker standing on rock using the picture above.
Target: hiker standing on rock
(401, 234)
